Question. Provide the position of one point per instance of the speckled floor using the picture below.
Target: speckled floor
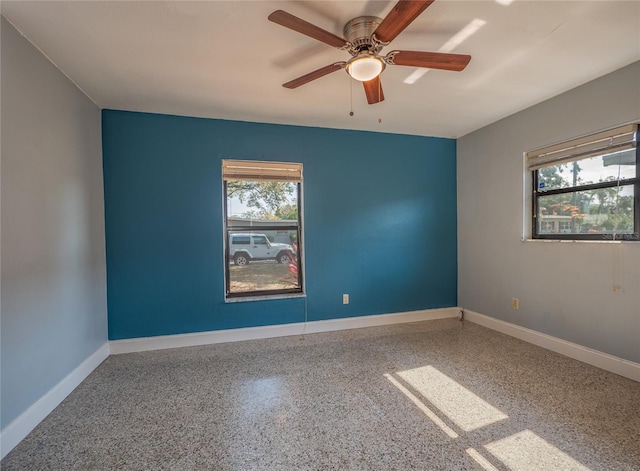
(435, 395)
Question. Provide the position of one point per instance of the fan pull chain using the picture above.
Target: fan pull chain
(351, 90)
(379, 95)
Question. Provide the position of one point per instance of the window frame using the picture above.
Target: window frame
(625, 182)
(229, 229)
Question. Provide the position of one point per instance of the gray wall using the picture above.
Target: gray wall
(565, 289)
(54, 312)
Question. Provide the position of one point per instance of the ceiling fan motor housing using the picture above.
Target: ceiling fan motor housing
(359, 31)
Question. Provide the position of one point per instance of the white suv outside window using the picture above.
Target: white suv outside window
(245, 247)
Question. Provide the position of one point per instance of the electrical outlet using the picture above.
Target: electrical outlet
(345, 299)
(515, 303)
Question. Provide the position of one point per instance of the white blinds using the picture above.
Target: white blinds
(265, 171)
(605, 142)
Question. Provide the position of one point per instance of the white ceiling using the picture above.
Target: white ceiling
(224, 59)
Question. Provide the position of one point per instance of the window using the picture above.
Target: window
(565, 227)
(263, 228)
(587, 188)
(240, 240)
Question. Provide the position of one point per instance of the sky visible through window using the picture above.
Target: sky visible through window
(611, 167)
(237, 208)
(593, 170)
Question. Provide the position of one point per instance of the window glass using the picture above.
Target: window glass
(260, 240)
(263, 225)
(599, 211)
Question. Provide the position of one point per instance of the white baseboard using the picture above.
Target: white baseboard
(626, 368)
(254, 333)
(22, 425)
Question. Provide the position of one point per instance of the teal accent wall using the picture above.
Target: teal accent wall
(379, 222)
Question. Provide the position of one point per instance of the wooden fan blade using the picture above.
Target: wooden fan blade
(293, 22)
(399, 18)
(295, 83)
(373, 90)
(431, 60)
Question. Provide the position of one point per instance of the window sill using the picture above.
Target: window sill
(576, 241)
(264, 297)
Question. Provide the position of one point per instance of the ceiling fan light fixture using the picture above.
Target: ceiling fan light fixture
(365, 67)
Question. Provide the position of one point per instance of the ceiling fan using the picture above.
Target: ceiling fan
(365, 38)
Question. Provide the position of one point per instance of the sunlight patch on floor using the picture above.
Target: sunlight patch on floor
(434, 418)
(481, 460)
(464, 408)
(526, 451)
